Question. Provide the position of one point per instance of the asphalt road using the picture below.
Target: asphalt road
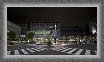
(84, 46)
(25, 49)
(81, 46)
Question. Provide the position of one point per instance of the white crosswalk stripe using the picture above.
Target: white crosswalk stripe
(43, 49)
(24, 51)
(30, 50)
(16, 52)
(38, 49)
(66, 49)
(87, 52)
(78, 52)
(54, 49)
(27, 51)
(8, 52)
(59, 49)
(72, 50)
(35, 49)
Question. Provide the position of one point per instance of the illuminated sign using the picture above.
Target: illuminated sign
(39, 32)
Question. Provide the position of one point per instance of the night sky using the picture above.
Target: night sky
(68, 16)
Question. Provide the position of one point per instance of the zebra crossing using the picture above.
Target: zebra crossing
(25, 51)
(72, 51)
(75, 51)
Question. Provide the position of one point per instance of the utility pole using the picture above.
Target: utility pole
(55, 32)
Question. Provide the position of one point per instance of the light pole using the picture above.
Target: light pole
(55, 33)
(55, 26)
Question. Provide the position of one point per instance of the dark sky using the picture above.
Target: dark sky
(68, 16)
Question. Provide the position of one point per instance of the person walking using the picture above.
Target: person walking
(49, 42)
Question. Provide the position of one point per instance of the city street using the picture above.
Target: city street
(52, 31)
(32, 49)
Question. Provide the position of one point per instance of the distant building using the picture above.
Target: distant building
(41, 28)
(24, 28)
(72, 31)
(93, 27)
(15, 28)
(52, 27)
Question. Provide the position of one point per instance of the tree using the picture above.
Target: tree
(11, 35)
(30, 35)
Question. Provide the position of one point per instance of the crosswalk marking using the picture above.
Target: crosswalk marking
(63, 47)
(59, 49)
(54, 49)
(75, 51)
(66, 50)
(35, 49)
(78, 52)
(72, 50)
(24, 51)
(87, 52)
(38, 48)
(16, 52)
(30, 50)
(43, 49)
(8, 52)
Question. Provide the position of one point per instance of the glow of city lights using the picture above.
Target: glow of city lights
(39, 32)
(56, 39)
(72, 40)
(22, 35)
(93, 30)
(52, 39)
(63, 44)
(28, 41)
(56, 42)
(46, 39)
(60, 40)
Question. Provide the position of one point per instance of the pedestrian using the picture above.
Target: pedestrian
(49, 43)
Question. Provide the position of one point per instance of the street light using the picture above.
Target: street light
(55, 26)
